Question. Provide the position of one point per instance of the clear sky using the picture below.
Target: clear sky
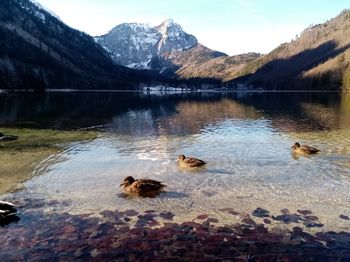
(231, 26)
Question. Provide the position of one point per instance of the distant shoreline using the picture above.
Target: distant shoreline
(2, 91)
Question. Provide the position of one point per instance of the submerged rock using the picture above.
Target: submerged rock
(288, 218)
(260, 212)
(344, 217)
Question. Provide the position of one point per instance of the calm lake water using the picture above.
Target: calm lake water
(246, 139)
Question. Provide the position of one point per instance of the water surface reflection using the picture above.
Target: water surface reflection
(245, 138)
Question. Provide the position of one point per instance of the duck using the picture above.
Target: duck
(141, 186)
(7, 213)
(190, 161)
(304, 149)
(7, 137)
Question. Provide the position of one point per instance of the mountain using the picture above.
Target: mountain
(221, 68)
(165, 48)
(38, 51)
(318, 59)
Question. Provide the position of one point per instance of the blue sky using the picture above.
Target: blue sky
(231, 26)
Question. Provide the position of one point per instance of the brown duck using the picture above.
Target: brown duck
(304, 149)
(190, 161)
(141, 186)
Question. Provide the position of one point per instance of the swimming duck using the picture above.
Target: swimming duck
(141, 186)
(303, 149)
(7, 213)
(7, 137)
(190, 161)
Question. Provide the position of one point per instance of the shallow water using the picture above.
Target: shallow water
(244, 137)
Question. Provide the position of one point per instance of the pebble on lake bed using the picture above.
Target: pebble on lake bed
(143, 236)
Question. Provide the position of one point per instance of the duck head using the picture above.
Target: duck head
(181, 158)
(295, 146)
(127, 181)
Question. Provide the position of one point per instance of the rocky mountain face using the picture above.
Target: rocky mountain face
(38, 51)
(318, 59)
(164, 48)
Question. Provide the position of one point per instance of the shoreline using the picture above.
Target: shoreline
(18, 91)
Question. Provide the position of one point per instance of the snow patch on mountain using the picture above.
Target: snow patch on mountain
(170, 29)
(36, 9)
(45, 9)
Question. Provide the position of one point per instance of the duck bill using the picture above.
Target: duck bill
(122, 184)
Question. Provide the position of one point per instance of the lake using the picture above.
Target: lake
(67, 188)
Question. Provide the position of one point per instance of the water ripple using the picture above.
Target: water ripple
(249, 164)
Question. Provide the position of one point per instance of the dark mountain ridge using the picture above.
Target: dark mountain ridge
(38, 51)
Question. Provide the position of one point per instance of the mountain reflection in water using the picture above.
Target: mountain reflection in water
(70, 111)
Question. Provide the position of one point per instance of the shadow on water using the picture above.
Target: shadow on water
(154, 236)
(188, 111)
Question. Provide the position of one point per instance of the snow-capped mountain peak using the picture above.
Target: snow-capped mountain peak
(136, 45)
(170, 29)
(168, 21)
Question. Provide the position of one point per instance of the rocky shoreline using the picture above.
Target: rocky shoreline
(154, 236)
